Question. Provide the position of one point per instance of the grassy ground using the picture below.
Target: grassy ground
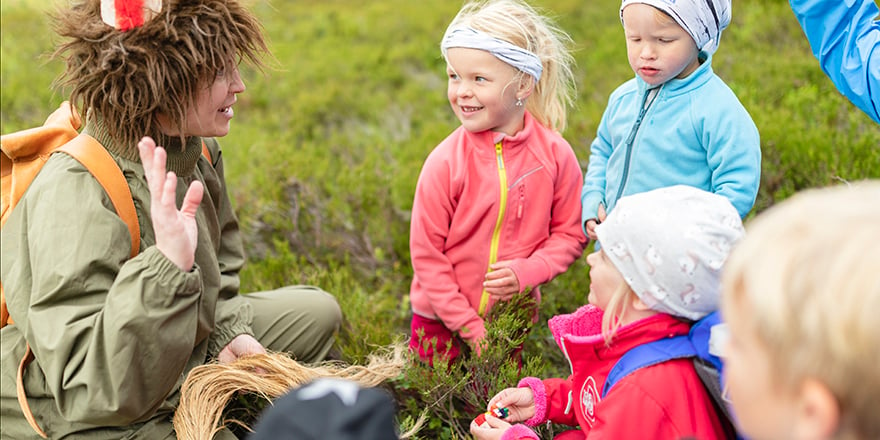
(326, 148)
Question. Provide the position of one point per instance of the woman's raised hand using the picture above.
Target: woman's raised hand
(176, 232)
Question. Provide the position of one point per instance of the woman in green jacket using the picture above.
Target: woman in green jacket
(114, 336)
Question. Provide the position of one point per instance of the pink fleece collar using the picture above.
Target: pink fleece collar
(494, 137)
(585, 325)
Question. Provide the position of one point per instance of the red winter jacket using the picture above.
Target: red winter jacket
(664, 401)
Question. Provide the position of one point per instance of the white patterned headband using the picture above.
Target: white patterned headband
(512, 54)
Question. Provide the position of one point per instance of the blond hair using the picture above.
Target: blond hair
(615, 312)
(519, 24)
(810, 290)
(129, 78)
(662, 17)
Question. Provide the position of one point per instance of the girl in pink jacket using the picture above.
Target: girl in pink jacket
(497, 205)
(658, 270)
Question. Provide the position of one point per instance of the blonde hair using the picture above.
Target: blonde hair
(520, 24)
(615, 311)
(662, 17)
(810, 290)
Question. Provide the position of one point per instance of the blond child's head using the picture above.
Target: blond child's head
(703, 20)
(665, 38)
(801, 294)
(528, 41)
(662, 252)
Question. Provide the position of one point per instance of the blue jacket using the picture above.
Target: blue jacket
(845, 38)
(695, 132)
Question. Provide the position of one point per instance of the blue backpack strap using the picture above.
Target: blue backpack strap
(646, 355)
(695, 344)
(700, 335)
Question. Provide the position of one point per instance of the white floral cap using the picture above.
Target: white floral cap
(670, 244)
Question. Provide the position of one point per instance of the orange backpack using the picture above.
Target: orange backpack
(24, 154)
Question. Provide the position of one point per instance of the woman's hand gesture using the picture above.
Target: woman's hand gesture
(176, 232)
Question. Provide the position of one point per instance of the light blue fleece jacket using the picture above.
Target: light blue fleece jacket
(845, 38)
(695, 132)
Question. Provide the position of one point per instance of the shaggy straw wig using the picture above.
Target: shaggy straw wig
(208, 388)
(129, 78)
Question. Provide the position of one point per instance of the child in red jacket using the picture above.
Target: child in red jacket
(658, 270)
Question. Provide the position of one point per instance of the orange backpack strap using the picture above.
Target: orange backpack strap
(23, 154)
(100, 164)
(4, 313)
(206, 152)
(22, 397)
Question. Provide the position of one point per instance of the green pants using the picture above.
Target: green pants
(299, 320)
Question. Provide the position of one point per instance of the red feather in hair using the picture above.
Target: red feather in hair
(129, 14)
(125, 15)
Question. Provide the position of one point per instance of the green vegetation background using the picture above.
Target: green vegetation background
(326, 148)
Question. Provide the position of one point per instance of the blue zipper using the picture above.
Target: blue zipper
(632, 138)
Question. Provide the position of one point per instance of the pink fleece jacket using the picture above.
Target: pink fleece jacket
(456, 207)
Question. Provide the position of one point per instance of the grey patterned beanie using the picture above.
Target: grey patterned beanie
(670, 244)
(702, 19)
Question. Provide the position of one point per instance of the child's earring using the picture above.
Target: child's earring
(519, 102)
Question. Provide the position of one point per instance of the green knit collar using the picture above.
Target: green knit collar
(182, 157)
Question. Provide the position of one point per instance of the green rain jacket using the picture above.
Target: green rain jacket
(113, 336)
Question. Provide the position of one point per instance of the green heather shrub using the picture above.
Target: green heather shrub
(453, 394)
(327, 145)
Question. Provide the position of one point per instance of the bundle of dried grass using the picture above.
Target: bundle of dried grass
(208, 388)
